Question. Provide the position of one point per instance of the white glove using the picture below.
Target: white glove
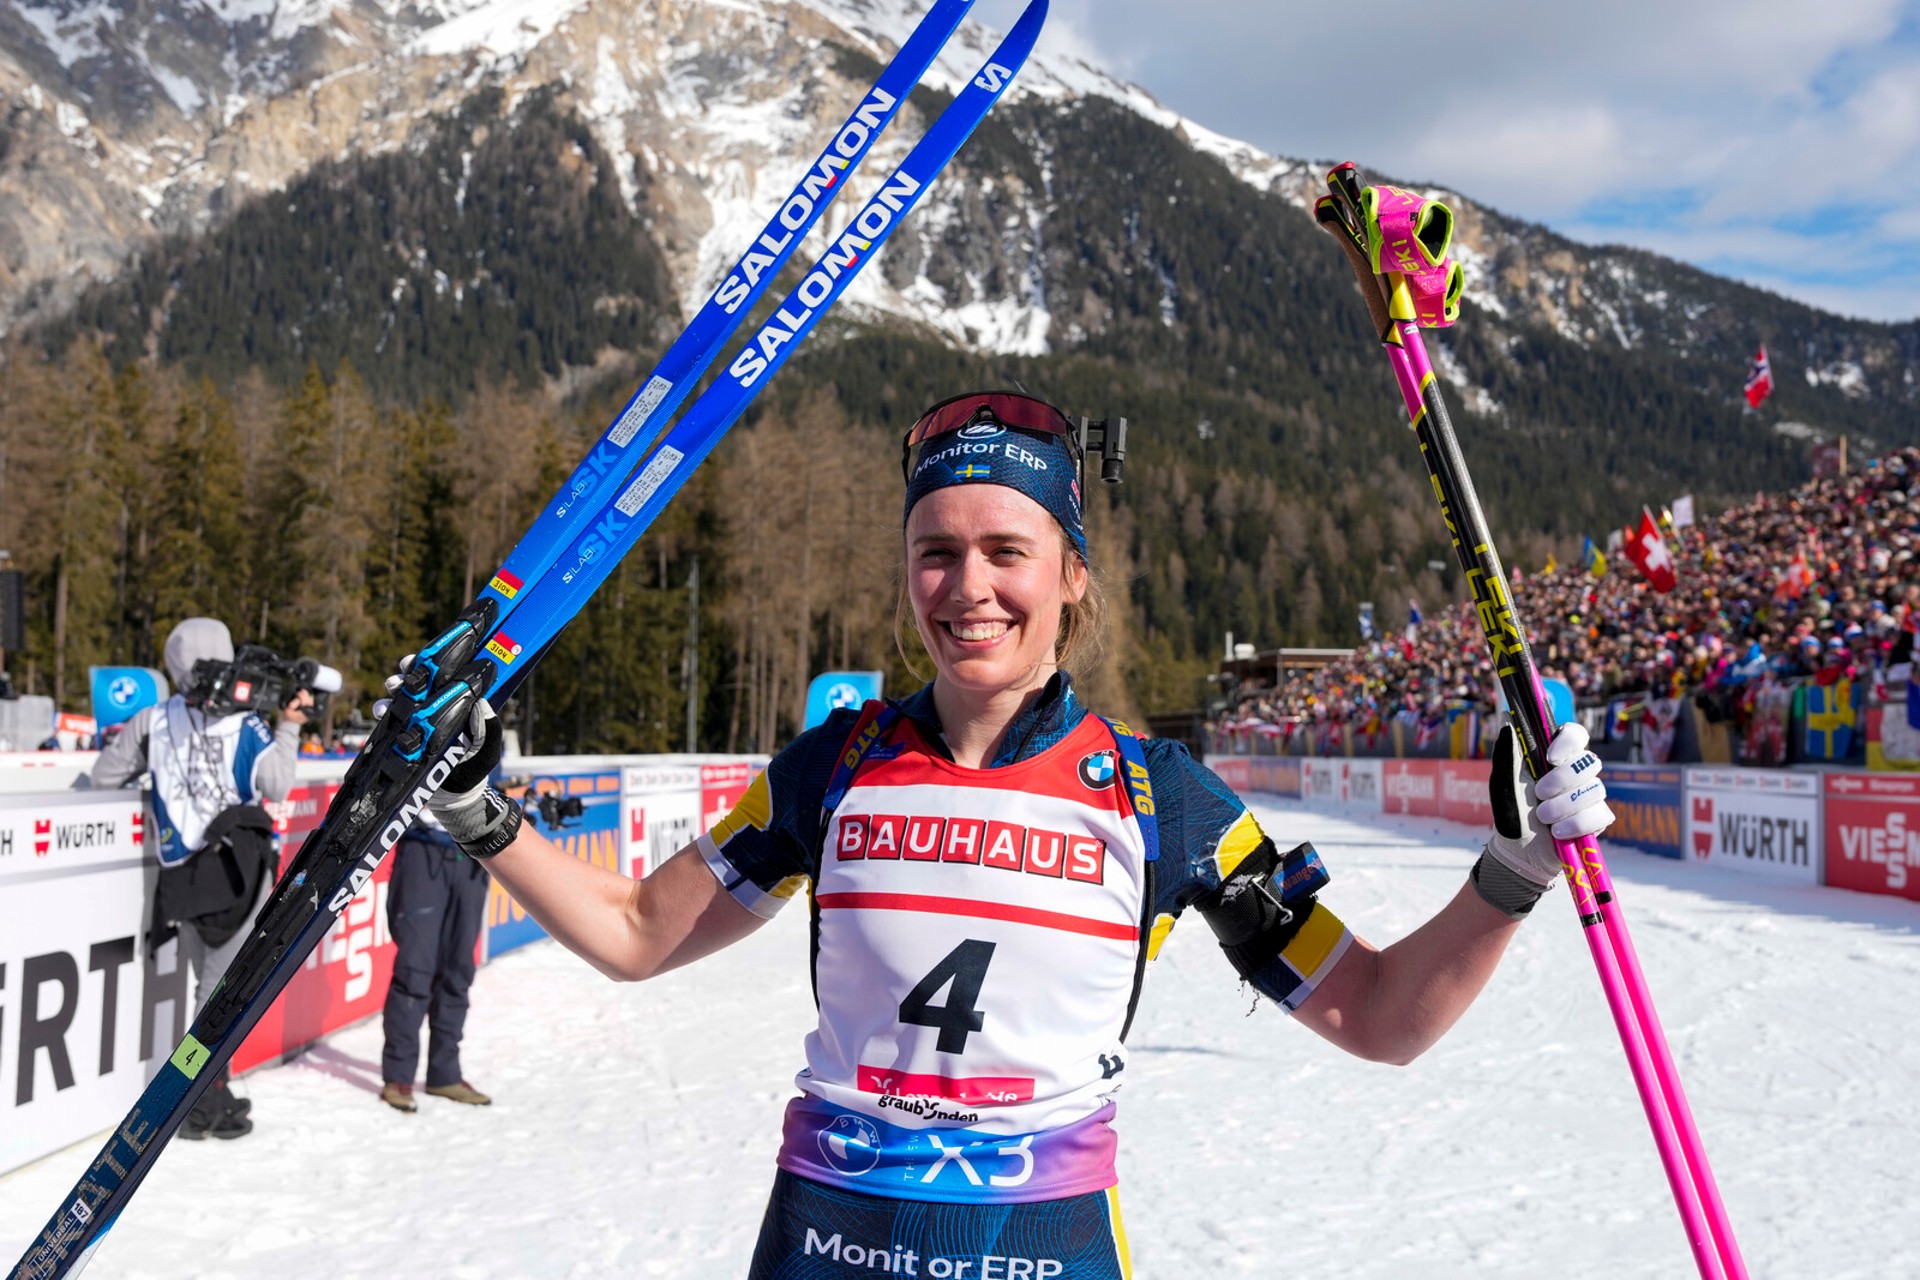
(1567, 802)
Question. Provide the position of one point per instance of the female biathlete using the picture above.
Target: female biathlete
(989, 867)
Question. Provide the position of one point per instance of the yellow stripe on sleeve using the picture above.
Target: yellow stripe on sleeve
(1319, 938)
(1241, 839)
(754, 810)
(1162, 926)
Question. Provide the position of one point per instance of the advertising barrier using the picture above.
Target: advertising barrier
(1873, 833)
(1279, 776)
(1319, 780)
(85, 1015)
(721, 786)
(1463, 792)
(345, 978)
(1237, 772)
(1647, 805)
(593, 836)
(1361, 781)
(1265, 775)
(660, 806)
(1349, 783)
(1762, 822)
(1846, 829)
(1410, 787)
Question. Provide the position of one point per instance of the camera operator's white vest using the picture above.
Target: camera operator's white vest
(199, 768)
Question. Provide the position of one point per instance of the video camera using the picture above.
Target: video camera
(554, 809)
(258, 679)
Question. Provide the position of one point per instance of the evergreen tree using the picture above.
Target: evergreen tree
(199, 564)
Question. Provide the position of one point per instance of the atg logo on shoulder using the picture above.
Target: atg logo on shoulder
(1097, 770)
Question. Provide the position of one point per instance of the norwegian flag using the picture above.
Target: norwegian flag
(1759, 378)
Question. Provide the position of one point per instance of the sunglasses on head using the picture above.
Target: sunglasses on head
(1023, 413)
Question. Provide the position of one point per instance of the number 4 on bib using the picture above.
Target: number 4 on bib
(966, 968)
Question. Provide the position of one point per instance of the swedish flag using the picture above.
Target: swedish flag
(1830, 720)
(1592, 559)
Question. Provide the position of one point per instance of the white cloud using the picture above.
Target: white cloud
(1674, 124)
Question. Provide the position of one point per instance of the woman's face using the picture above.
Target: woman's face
(987, 574)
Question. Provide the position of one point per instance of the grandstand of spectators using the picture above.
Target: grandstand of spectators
(1816, 585)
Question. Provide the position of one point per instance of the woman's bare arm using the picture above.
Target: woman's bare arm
(627, 929)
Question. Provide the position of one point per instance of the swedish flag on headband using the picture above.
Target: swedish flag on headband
(1831, 715)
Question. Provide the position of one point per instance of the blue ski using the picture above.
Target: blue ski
(421, 738)
(601, 542)
(612, 456)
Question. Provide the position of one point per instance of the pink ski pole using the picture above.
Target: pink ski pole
(1397, 245)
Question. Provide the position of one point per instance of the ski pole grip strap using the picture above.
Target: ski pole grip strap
(1328, 216)
(483, 829)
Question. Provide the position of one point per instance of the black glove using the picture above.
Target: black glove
(480, 820)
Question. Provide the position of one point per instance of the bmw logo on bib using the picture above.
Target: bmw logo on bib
(1097, 769)
(850, 1144)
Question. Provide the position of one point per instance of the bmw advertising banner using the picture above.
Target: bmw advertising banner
(834, 690)
(118, 692)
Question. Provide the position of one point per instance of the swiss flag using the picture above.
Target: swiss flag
(1648, 551)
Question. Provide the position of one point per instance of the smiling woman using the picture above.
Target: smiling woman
(989, 870)
(996, 579)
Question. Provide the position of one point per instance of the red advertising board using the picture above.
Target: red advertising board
(1873, 833)
(1410, 787)
(721, 786)
(1235, 771)
(1463, 792)
(345, 978)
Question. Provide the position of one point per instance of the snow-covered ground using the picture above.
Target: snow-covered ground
(634, 1127)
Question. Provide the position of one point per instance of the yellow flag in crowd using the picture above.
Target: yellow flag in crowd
(1593, 559)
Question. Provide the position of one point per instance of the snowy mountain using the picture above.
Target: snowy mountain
(123, 120)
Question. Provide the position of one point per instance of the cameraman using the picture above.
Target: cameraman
(214, 841)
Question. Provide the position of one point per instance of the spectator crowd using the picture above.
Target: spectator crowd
(1817, 585)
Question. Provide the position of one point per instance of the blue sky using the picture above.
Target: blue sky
(1774, 141)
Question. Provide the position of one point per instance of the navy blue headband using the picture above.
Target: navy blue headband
(1041, 465)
